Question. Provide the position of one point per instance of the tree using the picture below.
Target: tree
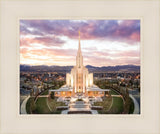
(32, 106)
(31, 92)
(52, 95)
(131, 82)
(127, 102)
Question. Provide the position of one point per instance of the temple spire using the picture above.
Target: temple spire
(79, 58)
(79, 48)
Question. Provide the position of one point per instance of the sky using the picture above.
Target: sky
(103, 42)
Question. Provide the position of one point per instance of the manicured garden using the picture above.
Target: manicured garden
(53, 104)
(106, 104)
(40, 107)
(111, 105)
(43, 105)
(117, 106)
(45, 92)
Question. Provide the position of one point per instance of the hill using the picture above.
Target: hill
(44, 68)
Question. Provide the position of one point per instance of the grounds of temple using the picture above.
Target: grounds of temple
(79, 95)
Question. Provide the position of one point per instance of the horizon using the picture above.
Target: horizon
(103, 42)
(72, 65)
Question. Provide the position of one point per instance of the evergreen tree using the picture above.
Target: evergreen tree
(32, 106)
(52, 95)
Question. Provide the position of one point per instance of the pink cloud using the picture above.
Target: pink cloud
(48, 33)
(46, 41)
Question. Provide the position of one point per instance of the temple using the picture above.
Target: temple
(79, 79)
(79, 82)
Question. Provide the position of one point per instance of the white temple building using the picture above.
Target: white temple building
(79, 81)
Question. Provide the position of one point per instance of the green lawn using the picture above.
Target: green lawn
(53, 104)
(45, 92)
(117, 106)
(106, 103)
(41, 106)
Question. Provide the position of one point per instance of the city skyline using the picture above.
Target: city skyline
(103, 42)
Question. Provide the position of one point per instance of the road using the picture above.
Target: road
(23, 106)
(136, 105)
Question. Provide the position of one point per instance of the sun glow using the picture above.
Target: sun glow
(98, 45)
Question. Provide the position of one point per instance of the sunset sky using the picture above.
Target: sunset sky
(103, 42)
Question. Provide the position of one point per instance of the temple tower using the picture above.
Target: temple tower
(79, 78)
(79, 70)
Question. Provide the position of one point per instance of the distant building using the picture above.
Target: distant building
(49, 74)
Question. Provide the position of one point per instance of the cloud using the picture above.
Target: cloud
(68, 57)
(126, 31)
(49, 52)
(113, 54)
(52, 55)
(46, 41)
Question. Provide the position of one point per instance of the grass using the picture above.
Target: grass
(53, 104)
(106, 103)
(117, 106)
(41, 106)
(45, 92)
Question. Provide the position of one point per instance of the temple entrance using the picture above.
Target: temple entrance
(80, 94)
(80, 82)
(80, 90)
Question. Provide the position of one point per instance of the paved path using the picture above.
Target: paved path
(79, 106)
(119, 96)
(116, 95)
(110, 105)
(23, 106)
(94, 111)
(43, 96)
(136, 105)
(48, 105)
(65, 112)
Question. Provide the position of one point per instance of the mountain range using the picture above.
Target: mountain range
(44, 68)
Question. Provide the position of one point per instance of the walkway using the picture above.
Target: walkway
(43, 96)
(116, 95)
(66, 112)
(79, 107)
(136, 105)
(48, 105)
(23, 106)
